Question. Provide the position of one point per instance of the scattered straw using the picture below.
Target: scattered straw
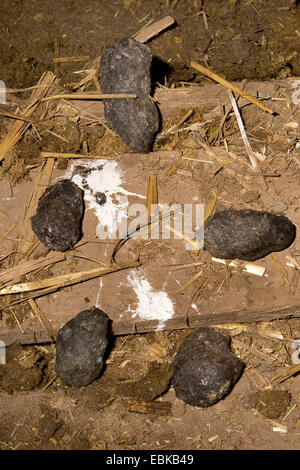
(251, 154)
(286, 373)
(17, 321)
(49, 383)
(179, 160)
(229, 85)
(192, 279)
(292, 262)
(195, 244)
(65, 60)
(279, 268)
(18, 117)
(250, 268)
(152, 196)
(175, 127)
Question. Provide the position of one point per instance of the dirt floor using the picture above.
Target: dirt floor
(132, 405)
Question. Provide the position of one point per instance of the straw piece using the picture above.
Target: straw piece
(64, 280)
(153, 30)
(286, 373)
(279, 268)
(89, 96)
(18, 128)
(18, 117)
(173, 167)
(196, 245)
(152, 196)
(232, 326)
(56, 55)
(254, 269)
(192, 279)
(174, 128)
(74, 155)
(251, 154)
(47, 386)
(42, 319)
(93, 71)
(229, 85)
(211, 152)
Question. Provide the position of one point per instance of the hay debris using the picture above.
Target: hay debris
(64, 280)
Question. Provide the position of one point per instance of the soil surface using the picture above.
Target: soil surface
(132, 405)
(239, 39)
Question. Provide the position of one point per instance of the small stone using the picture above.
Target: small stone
(250, 196)
(247, 234)
(204, 369)
(80, 347)
(58, 219)
(126, 68)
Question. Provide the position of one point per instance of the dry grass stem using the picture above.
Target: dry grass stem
(18, 128)
(192, 279)
(229, 85)
(15, 272)
(279, 268)
(74, 155)
(250, 268)
(251, 154)
(154, 29)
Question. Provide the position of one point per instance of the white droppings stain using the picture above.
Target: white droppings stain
(105, 177)
(152, 305)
